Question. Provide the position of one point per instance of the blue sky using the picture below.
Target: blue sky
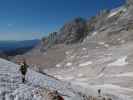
(30, 19)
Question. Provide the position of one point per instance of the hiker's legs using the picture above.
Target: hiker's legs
(23, 78)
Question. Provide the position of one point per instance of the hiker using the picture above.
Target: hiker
(23, 70)
(99, 92)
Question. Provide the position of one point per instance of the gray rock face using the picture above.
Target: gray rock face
(73, 31)
(130, 2)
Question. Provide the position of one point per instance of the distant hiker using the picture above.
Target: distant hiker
(99, 92)
(23, 70)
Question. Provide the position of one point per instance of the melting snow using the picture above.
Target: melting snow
(106, 45)
(68, 64)
(113, 14)
(58, 65)
(94, 33)
(85, 64)
(59, 77)
(83, 48)
(120, 62)
(67, 53)
(116, 11)
(80, 75)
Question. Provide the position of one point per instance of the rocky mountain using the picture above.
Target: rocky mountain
(92, 54)
(73, 31)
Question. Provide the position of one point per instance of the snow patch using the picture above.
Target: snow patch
(106, 45)
(67, 53)
(83, 48)
(100, 75)
(129, 74)
(116, 11)
(120, 62)
(85, 64)
(80, 75)
(94, 33)
(59, 77)
(69, 64)
(64, 78)
(101, 43)
(113, 14)
(58, 65)
(69, 78)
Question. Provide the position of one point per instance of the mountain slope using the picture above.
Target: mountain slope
(11, 87)
(103, 60)
(38, 86)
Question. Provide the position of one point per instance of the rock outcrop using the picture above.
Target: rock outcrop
(73, 31)
(129, 2)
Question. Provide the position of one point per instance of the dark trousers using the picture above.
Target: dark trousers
(23, 78)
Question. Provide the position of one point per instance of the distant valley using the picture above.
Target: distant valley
(12, 48)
